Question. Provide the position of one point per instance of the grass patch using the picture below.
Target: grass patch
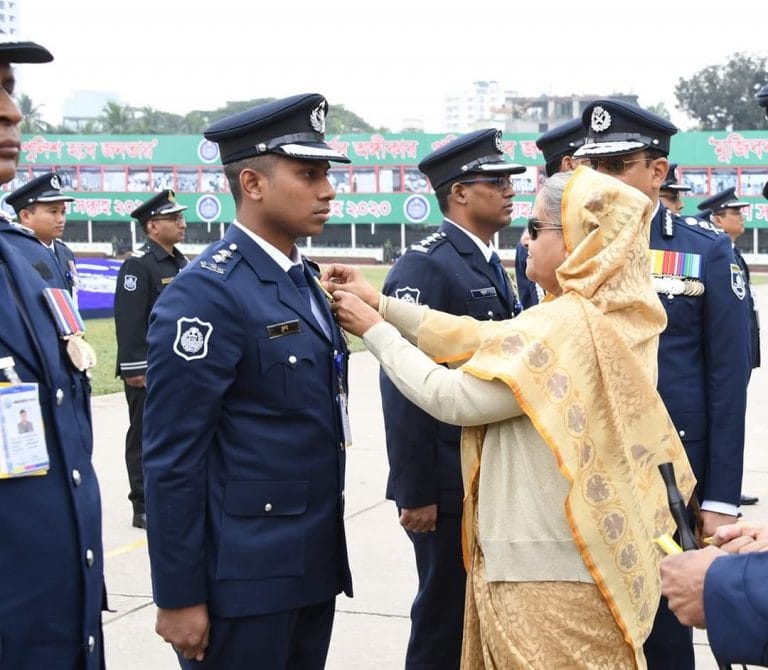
(100, 333)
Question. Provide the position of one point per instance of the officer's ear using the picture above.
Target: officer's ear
(25, 217)
(660, 168)
(252, 183)
(459, 193)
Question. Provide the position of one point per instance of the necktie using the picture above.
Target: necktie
(296, 273)
(501, 274)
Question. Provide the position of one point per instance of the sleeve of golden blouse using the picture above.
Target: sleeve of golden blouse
(445, 337)
(450, 396)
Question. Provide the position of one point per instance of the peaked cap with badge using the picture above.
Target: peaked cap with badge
(293, 127)
(16, 50)
(723, 200)
(162, 204)
(478, 152)
(615, 127)
(45, 188)
(671, 183)
(561, 141)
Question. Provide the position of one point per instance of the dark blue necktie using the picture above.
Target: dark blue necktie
(501, 274)
(296, 273)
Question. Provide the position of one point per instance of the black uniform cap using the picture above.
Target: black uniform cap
(292, 127)
(722, 200)
(478, 152)
(162, 204)
(13, 49)
(615, 127)
(45, 188)
(671, 183)
(561, 141)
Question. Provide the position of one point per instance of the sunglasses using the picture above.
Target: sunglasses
(501, 182)
(535, 225)
(613, 164)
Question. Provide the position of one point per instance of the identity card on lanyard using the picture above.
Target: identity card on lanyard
(23, 451)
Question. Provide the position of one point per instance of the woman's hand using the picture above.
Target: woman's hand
(348, 278)
(352, 314)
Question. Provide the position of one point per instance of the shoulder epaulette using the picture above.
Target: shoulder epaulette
(220, 259)
(696, 224)
(429, 243)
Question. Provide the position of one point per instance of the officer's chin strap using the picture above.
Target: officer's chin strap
(677, 508)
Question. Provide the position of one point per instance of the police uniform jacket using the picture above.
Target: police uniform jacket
(526, 289)
(736, 608)
(244, 452)
(52, 589)
(49, 268)
(754, 319)
(448, 272)
(141, 279)
(704, 358)
(65, 264)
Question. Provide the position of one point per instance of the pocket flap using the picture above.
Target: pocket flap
(253, 498)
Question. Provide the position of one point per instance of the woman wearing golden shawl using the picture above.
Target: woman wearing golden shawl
(563, 434)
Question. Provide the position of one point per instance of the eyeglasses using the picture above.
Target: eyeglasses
(178, 219)
(535, 225)
(502, 182)
(613, 164)
(673, 196)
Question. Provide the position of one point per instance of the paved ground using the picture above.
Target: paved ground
(371, 630)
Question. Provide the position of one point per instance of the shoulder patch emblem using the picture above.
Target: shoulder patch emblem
(738, 285)
(192, 337)
(130, 282)
(408, 294)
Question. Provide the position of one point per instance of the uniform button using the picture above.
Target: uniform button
(268, 507)
(91, 644)
(76, 478)
(233, 247)
(59, 396)
(89, 558)
(490, 313)
(682, 433)
(292, 359)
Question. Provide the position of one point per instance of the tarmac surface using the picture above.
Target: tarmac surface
(371, 630)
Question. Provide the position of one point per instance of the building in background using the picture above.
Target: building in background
(9, 16)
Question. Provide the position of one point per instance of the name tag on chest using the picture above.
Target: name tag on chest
(478, 293)
(285, 328)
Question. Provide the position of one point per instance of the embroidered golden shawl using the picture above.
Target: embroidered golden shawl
(583, 368)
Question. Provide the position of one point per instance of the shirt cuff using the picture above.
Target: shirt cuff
(719, 507)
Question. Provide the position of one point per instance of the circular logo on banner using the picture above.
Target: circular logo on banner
(208, 151)
(208, 208)
(416, 208)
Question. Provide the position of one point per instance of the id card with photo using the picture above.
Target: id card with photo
(24, 452)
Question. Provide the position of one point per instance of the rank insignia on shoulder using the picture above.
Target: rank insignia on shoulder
(668, 228)
(192, 337)
(738, 284)
(408, 294)
(428, 241)
(285, 328)
(213, 267)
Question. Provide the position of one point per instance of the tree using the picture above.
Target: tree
(32, 116)
(722, 97)
(661, 109)
(116, 118)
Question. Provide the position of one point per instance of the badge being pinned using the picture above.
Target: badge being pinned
(192, 337)
(130, 282)
(408, 294)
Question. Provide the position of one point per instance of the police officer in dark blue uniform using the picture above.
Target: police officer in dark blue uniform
(702, 373)
(142, 277)
(558, 146)
(245, 422)
(457, 271)
(52, 586)
(53, 260)
(671, 190)
(40, 207)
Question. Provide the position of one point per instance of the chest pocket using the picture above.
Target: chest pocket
(485, 308)
(288, 369)
(683, 313)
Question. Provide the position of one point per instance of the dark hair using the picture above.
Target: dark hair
(443, 192)
(264, 163)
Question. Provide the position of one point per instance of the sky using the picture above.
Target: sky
(386, 61)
